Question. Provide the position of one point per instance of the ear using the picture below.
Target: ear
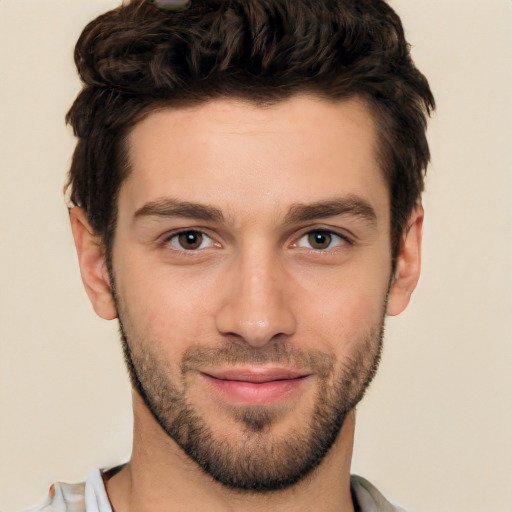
(93, 265)
(408, 265)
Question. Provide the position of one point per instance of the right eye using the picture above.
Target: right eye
(190, 240)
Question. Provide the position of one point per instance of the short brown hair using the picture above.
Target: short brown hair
(137, 58)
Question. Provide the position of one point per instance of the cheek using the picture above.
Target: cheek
(342, 308)
(171, 307)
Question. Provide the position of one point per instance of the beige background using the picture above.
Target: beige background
(435, 430)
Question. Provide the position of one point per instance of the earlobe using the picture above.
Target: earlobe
(93, 267)
(408, 265)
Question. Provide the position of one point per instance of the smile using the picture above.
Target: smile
(255, 385)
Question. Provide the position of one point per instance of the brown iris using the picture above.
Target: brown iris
(190, 239)
(320, 239)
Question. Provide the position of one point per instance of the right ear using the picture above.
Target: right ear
(93, 265)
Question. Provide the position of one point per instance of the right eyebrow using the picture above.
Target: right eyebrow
(168, 207)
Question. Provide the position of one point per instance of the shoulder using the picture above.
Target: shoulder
(368, 498)
(63, 498)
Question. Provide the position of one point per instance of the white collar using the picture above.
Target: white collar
(96, 499)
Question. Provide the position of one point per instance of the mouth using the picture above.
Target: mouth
(255, 385)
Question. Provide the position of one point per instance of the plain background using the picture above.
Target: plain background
(434, 432)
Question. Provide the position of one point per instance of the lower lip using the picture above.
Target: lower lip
(256, 392)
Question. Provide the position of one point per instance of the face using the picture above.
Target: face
(251, 268)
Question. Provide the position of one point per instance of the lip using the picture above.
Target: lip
(255, 385)
(256, 374)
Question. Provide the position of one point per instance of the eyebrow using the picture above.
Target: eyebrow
(174, 208)
(350, 205)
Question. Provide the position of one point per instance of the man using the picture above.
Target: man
(246, 200)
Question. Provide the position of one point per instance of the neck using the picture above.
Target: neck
(161, 477)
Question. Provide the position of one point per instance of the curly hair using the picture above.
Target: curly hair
(138, 58)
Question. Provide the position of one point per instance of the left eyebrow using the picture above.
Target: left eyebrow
(351, 205)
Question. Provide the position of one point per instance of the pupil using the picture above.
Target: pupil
(320, 240)
(190, 239)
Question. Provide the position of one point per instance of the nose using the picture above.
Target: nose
(256, 305)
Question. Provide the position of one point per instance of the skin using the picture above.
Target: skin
(255, 281)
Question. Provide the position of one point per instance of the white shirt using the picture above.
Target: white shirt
(91, 496)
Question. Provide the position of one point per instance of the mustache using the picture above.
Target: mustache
(199, 357)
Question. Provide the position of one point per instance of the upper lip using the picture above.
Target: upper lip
(256, 374)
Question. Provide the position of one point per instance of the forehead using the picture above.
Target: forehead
(299, 150)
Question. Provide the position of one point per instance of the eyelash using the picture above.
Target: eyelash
(168, 239)
(341, 239)
(335, 238)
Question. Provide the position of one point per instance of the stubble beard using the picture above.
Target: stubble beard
(256, 461)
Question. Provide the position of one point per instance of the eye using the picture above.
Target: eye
(190, 240)
(320, 240)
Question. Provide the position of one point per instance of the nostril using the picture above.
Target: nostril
(255, 308)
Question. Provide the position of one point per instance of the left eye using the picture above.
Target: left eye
(190, 240)
(320, 239)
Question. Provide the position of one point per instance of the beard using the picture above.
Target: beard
(258, 460)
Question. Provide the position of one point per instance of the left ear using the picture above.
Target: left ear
(408, 265)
